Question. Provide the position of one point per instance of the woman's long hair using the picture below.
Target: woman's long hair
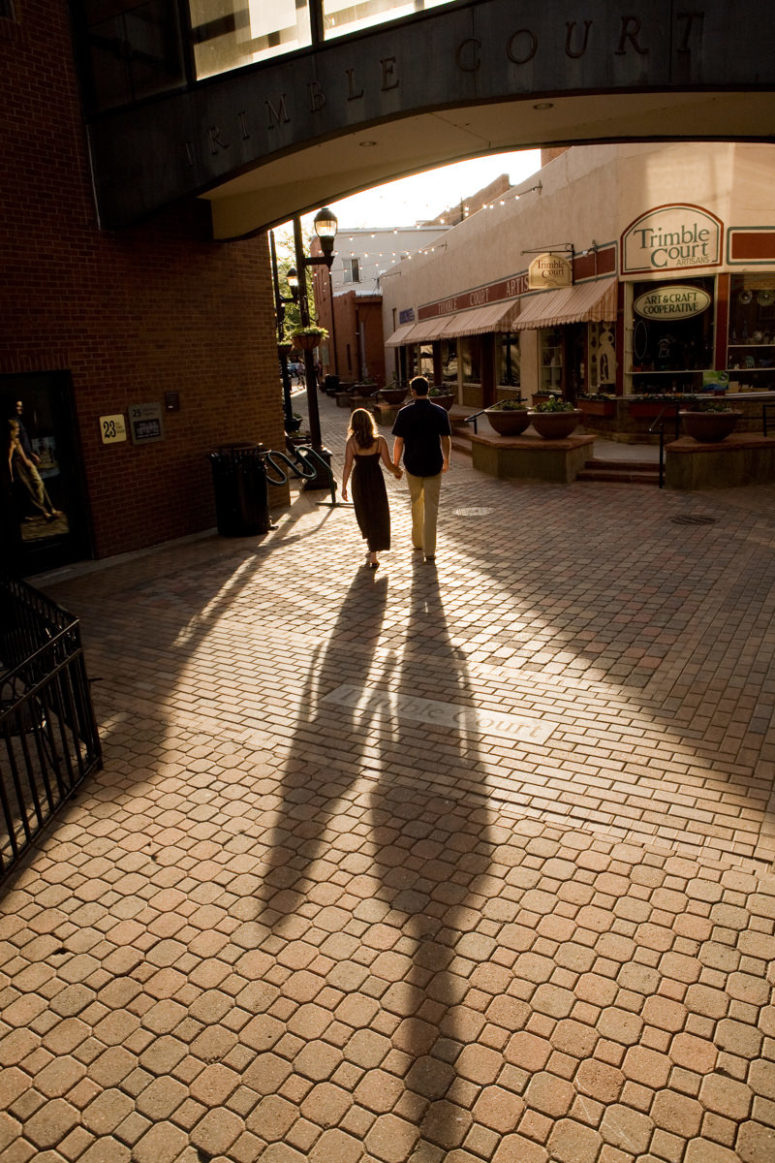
(363, 427)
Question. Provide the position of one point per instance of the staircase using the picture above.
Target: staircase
(634, 472)
(633, 469)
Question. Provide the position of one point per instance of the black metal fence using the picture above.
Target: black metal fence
(49, 739)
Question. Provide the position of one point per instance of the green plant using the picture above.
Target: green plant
(659, 398)
(435, 390)
(313, 329)
(517, 405)
(554, 404)
(709, 406)
(598, 396)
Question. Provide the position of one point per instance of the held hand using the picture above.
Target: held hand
(445, 466)
(398, 473)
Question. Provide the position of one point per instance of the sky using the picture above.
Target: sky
(424, 196)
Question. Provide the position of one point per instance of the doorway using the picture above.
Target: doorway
(45, 513)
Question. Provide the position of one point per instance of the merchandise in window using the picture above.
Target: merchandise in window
(507, 355)
(449, 361)
(752, 322)
(471, 359)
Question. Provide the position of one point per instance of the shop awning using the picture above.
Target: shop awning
(494, 317)
(399, 335)
(586, 303)
(427, 330)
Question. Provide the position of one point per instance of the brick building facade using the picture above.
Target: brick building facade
(92, 323)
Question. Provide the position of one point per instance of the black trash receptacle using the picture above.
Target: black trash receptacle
(241, 500)
(331, 385)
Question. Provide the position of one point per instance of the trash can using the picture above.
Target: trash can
(331, 385)
(239, 480)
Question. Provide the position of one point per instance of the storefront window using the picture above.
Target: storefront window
(471, 359)
(449, 361)
(425, 361)
(507, 356)
(672, 327)
(551, 360)
(44, 516)
(752, 323)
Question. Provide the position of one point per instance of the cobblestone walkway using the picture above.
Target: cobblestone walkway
(461, 863)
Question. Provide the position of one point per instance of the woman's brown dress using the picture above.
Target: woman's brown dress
(371, 502)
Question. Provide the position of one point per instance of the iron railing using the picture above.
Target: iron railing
(49, 741)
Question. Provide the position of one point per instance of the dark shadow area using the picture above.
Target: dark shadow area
(433, 852)
(312, 794)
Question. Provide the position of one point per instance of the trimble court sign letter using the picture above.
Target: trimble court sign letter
(671, 238)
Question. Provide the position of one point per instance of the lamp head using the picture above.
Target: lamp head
(292, 279)
(326, 223)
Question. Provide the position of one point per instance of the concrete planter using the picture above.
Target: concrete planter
(393, 395)
(444, 401)
(709, 427)
(508, 421)
(555, 425)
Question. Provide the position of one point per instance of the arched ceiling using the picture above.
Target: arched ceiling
(265, 142)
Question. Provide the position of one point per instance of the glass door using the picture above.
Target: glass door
(45, 516)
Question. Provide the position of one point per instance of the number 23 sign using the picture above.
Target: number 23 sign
(113, 428)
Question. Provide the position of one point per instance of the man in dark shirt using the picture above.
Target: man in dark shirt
(422, 436)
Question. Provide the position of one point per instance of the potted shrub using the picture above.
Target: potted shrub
(555, 419)
(294, 424)
(508, 417)
(442, 396)
(597, 404)
(394, 393)
(709, 423)
(308, 338)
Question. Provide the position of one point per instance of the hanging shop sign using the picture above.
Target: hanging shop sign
(671, 238)
(672, 302)
(549, 271)
(406, 316)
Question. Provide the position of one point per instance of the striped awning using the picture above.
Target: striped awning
(593, 302)
(399, 335)
(427, 331)
(479, 321)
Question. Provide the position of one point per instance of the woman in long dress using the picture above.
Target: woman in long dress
(364, 451)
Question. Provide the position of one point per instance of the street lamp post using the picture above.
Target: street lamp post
(325, 227)
(279, 304)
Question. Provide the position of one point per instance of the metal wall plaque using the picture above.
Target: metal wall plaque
(145, 423)
(113, 428)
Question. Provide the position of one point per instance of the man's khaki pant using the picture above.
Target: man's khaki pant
(424, 492)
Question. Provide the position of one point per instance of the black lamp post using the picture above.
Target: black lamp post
(325, 227)
(279, 306)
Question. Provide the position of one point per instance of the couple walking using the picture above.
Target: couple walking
(422, 438)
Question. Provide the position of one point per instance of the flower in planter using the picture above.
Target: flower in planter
(709, 406)
(601, 396)
(517, 405)
(554, 404)
(310, 336)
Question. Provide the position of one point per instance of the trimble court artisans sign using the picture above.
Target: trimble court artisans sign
(671, 238)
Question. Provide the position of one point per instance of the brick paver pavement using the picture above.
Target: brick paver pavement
(466, 862)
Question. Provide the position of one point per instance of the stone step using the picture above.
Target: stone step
(622, 474)
(626, 465)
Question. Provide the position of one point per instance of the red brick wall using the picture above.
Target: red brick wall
(131, 315)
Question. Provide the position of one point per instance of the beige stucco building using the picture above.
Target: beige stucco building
(642, 269)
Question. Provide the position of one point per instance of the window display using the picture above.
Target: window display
(752, 324)
(507, 355)
(471, 359)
